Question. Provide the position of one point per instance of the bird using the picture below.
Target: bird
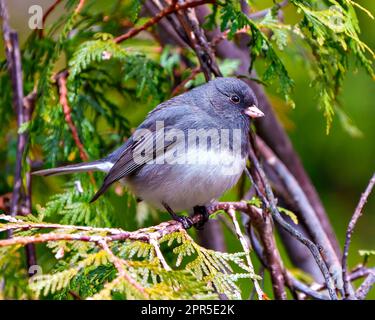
(187, 152)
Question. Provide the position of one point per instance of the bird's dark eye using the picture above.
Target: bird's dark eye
(235, 99)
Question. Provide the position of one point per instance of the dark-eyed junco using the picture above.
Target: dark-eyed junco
(187, 152)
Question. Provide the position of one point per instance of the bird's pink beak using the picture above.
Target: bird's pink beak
(254, 112)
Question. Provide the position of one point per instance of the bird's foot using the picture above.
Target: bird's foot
(201, 210)
(186, 222)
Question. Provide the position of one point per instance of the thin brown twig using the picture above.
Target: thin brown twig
(293, 284)
(13, 56)
(79, 7)
(61, 80)
(360, 272)
(263, 223)
(198, 42)
(21, 195)
(353, 221)
(46, 14)
(269, 201)
(307, 213)
(366, 286)
(52, 8)
(75, 295)
(355, 274)
(217, 39)
(170, 24)
(14, 223)
(180, 87)
(174, 7)
(193, 43)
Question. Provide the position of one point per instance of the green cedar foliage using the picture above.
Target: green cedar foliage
(81, 266)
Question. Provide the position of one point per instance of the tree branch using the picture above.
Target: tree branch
(366, 286)
(87, 234)
(353, 221)
(199, 43)
(12, 51)
(174, 7)
(262, 222)
(80, 6)
(306, 211)
(293, 284)
(269, 202)
(21, 195)
(144, 234)
(61, 79)
(46, 14)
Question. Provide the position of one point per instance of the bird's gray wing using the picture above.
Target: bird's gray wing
(123, 158)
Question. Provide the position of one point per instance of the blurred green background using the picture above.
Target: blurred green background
(339, 165)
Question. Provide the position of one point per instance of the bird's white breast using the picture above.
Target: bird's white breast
(186, 184)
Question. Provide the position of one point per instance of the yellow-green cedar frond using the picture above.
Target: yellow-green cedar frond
(106, 292)
(13, 276)
(137, 248)
(181, 288)
(157, 283)
(196, 269)
(75, 208)
(95, 51)
(51, 283)
(364, 253)
(332, 33)
(44, 284)
(11, 222)
(233, 19)
(211, 266)
(119, 285)
(179, 237)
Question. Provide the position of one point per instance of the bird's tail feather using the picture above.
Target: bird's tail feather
(98, 165)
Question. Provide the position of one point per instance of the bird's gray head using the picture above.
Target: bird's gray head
(231, 98)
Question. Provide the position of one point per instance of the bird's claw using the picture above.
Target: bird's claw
(186, 222)
(202, 210)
